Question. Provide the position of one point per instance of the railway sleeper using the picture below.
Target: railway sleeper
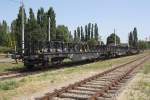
(74, 96)
(80, 92)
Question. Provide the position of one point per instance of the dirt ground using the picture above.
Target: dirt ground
(139, 87)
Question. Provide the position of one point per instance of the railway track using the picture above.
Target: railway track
(26, 72)
(102, 86)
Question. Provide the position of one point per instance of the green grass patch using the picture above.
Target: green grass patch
(7, 67)
(146, 69)
(5, 49)
(8, 85)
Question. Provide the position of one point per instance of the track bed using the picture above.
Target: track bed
(102, 86)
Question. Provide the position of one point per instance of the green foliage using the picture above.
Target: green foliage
(5, 49)
(96, 32)
(92, 42)
(142, 44)
(78, 33)
(82, 34)
(16, 29)
(33, 29)
(89, 35)
(89, 31)
(133, 39)
(5, 39)
(36, 29)
(130, 40)
(86, 33)
(62, 33)
(8, 85)
(92, 31)
(70, 37)
(146, 69)
(52, 16)
(75, 35)
(111, 39)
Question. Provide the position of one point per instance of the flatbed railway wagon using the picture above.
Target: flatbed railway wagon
(54, 52)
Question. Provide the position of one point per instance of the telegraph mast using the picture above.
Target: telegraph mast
(128, 40)
(22, 6)
(115, 36)
(49, 31)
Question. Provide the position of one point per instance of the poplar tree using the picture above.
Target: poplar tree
(135, 38)
(42, 22)
(130, 39)
(86, 33)
(16, 28)
(96, 35)
(92, 32)
(82, 34)
(89, 31)
(75, 35)
(78, 33)
(4, 34)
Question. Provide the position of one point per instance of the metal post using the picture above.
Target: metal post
(146, 43)
(22, 27)
(115, 36)
(100, 40)
(128, 40)
(49, 32)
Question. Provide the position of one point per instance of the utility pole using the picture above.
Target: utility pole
(100, 40)
(115, 36)
(22, 4)
(128, 40)
(49, 31)
(146, 43)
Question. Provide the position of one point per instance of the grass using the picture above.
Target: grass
(7, 67)
(8, 85)
(33, 83)
(146, 69)
(140, 90)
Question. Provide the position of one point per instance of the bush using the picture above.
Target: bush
(8, 85)
(92, 42)
(5, 49)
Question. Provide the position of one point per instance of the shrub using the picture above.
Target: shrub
(8, 85)
(5, 49)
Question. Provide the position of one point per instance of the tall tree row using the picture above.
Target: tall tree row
(3, 33)
(88, 34)
(36, 27)
(5, 36)
(16, 29)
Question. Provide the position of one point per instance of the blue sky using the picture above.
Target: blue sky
(123, 15)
